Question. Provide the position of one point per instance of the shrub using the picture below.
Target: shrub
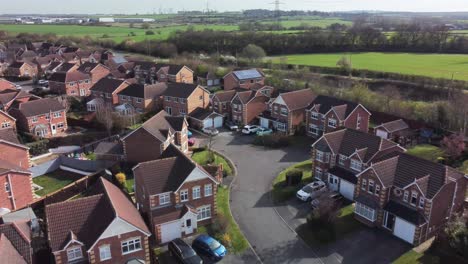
(226, 239)
(293, 177)
(272, 141)
(149, 32)
(221, 224)
(121, 178)
(38, 147)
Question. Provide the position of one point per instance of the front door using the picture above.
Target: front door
(54, 129)
(389, 221)
(188, 226)
(332, 182)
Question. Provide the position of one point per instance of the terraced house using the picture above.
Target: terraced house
(409, 197)
(176, 194)
(102, 228)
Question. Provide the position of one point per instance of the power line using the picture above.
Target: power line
(277, 4)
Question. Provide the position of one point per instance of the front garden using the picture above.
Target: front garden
(283, 191)
(203, 156)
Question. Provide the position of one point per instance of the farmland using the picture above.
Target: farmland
(322, 23)
(432, 65)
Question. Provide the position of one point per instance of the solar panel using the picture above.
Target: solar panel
(248, 74)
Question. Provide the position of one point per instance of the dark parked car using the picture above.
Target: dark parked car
(183, 252)
(210, 247)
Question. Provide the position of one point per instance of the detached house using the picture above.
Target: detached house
(288, 111)
(107, 89)
(173, 73)
(339, 156)
(72, 83)
(409, 197)
(183, 98)
(150, 140)
(102, 228)
(97, 71)
(143, 98)
(176, 194)
(244, 79)
(221, 102)
(327, 114)
(7, 121)
(41, 117)
(247, 105)
(22, 69)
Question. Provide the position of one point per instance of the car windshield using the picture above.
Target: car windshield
(214, 244)
(188, 253)
(307, 189)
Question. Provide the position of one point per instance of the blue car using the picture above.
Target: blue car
(210, 247)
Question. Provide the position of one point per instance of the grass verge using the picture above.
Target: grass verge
(203, 158)
(281, 192)
(413, 257)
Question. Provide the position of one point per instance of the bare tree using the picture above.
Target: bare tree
(105, 116)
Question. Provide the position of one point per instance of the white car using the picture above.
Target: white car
(311, 191)
(43, 82)
(210, 131)
(250, 129)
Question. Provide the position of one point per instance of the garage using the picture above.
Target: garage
(170, 231)
(213, 121)
(347, 189)
(404, 230)
(381, 133)
(264, 122)
(204, 118)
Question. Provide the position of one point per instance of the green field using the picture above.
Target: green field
(323, 23)
(432, 65)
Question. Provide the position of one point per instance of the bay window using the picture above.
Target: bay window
(365, 211)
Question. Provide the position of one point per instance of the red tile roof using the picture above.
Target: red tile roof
(8, 252)
(298, 99)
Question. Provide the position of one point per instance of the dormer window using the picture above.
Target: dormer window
(74, 253)
(314, 115)
(414, 198)
(342, 160)
(356, 165)
(405, 196)
(164, 199)
(332, 122)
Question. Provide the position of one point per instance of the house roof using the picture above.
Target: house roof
(9, 135)
(394, 126)
(87, 67)
(298, 99)
(342, 107)
(144, 91)
(64, 67)
(107, 85)
(86, 218)
(40, 106)
(180, 90)
(170, 213)
(157, 126)
(6, 166)
(344, 174)
(9, 253)
(70, 76)
(176, 122)
(17, 64)
(109, 148)
(410, 215)
(171, 69)
(202, 113)
(20, 240)
(225, 96)
(248, 74)
(245, 96)
(144, 65)
(4, 84)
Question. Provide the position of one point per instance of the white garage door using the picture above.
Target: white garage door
(170, 231)
(208, 123)
(382, 133)
(404, 230)
(218, 121)
(347, 189)
(264, 123)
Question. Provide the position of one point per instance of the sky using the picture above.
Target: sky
(150, 6)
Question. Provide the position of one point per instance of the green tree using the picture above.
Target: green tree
(345, 64)
(253, 52)
(145, 26)
(457, 233)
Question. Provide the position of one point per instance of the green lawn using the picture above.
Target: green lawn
(425, 151)
(54, 181)
(129, 185)
(202, 158)
(282, 193)
(319, 22)
(432, 65)
(413, 257)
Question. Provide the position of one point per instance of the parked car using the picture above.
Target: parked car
(18, 87)
(264, 131)
(183, 252)
(43, 82)
(250, 129)
(210, 247)
(231, 126)
(311, 191)
(335, 196)
(210, 131)
(191, 142)
(189, 134)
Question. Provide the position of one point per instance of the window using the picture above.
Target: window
(377, 189)
(104, 252)
(72, 83)
(405, 196)
(204, 212)
(355, 165)
(196, 192)
(47, 116)
(182, 112)
(319, 156)
(34, 119)
(164, 199)
(182, 100)
(7, 187)
(414, 198)
(371, 187)
(318, 172)
(60, 125)
(313, 129)
(364, 185)
(131, 245)
(331, 122)
(284, 111)
(281, 127)
(208, 190)
(200, 97)
(342, 160)
(6, 124)
(74, 253)
(314, 115)
(167, 98)
(275, 109)
(224, 106)
(365, 211)
(108, 95)
(57, 114)
(358, 122)
(421, 202)
(184, 195)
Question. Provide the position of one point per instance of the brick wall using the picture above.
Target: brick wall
(351, 121)
(14, 155)
(135, 143)
(20, 194)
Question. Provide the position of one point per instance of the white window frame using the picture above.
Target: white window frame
(74, 253)
(7, 187)
(332, 122)
(208, 190)
(105, 252)
(421, 201)
(365, 212)
(354, 165)
(342, 159)
(284, 111)
(314, 115)
(34, 119)
(184, 193)
(281, 127)
(377, 189)
(167, 98)
(318, 172)
(405, 196)
(6, 124)
(358, 122)
(108, 95)
(364, 184)
(57, 114)
(371, 187)
(132, 242)
(319, 156)
(196, 192)
(47, 116)
(164, 199)
(203, 212)
(313, 129)
(182, 112)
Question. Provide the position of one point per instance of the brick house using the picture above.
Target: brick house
(41, 117)
(341, 155)
(9, 97)
(7, 121)
(15, 178)
(173, 73)
(288, 111)
(202, 118)
(150, 140)
(102, 228)
(409, 197)
(327, 114)
(142, 97)
(66, 67)
(176, 194)
(72, 83)
(107, 89)
(17, 231)
(221, 102)
(247, 105)
(183, 98)
(6, 85)
(22, 69)
(96, 70)
(244, 79)
(397, 131)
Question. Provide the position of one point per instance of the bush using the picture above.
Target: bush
(293, 177)
(149, 32)
(121, 178)
(221, 224)
(38, 147)
(272, 141)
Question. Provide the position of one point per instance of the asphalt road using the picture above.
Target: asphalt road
(251, 203)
